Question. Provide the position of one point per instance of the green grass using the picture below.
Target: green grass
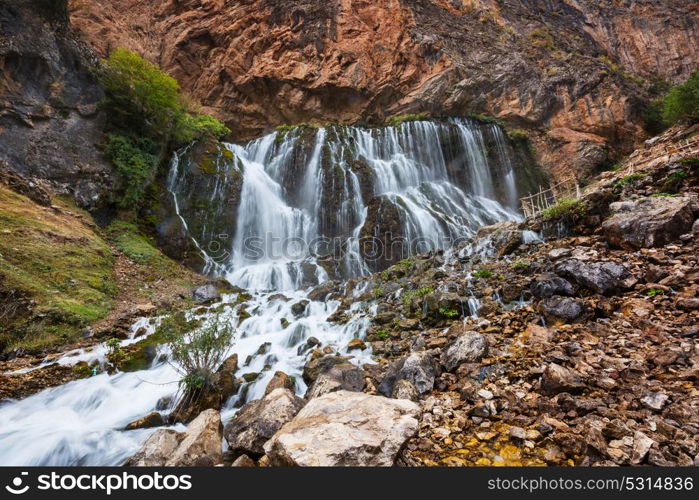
(420, 292)
(482, 273)
(628, 179)
(57, 262)
(566, 207)
(140, 248)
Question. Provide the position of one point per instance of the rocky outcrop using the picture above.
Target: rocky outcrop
(345, 429)
(568, 73)
(468, 347)
(199, 445)
(49, 120)
(257, 421)
(650, 222)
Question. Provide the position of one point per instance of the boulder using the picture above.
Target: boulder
(600, 277)
(153, 419)
(419, 368)
(205, 294)
(649, 222)
(346, 377)
(157, 449)
(201, 446)
(316, 366)
(243, 461)
(557, 378)
(549, 285)
(502, 238)
(345, 429)
(257, 421)
(469, 347)
(280, 380)
(562, 309)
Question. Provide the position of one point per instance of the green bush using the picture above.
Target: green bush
(482, 273)
(136, 160)
(566, 207)
(147, 114)
(628, 179)
(682, 102)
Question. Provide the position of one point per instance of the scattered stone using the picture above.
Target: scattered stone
(280, 380)
(403, 389)
(345, 376)
(562, 309)
(356, 344)
(600, 277)
(470, 347)
(243, 461)
(557, 379)
(641, 447)
(419, 368)
(655, 401)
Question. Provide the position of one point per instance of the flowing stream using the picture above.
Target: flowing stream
(441, 180)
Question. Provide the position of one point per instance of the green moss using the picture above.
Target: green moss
(59, 264)
(398, 120)
(420, 292)
(140, 248)
(566, 207)
(628, 179)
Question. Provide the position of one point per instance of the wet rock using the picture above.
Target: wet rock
(356, 344)
(323, 291)
(345, 376)
(157, 449)
(559, 253)
(550, 285)
(557, 378)
(316, 366)
(504, 237)
(299, 308)
(562, 309)
(419, 368)
(600, 277)
(257, 421)
(280, 380)
(345, 429)
(469, 347)
(153, 419)
(201, 446)
(649, 222)
(205, 294)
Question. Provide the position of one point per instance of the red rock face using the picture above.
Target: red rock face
(575, 77)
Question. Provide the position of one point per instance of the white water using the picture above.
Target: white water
(444, 189)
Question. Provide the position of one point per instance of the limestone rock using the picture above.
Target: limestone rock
(201, 446)
(257, 421)
(419, 368)
(467, 348)
(345, 429)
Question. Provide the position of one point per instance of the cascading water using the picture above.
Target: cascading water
(280, 206)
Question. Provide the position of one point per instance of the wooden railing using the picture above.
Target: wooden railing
(687, 148)
(536, 203)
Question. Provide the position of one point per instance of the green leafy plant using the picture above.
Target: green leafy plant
(628, 179)
(115, 354)
(652, 292)
(482, 273)
(521, 264)
(448, 312)
(382, 334)
(682, 102)
(420, 292)
(567, 207)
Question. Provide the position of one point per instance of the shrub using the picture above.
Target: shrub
(146, 113)
(682, 102)
(567, 207)
(448, 312)
(482, 273)
(652, 292)
(136, 160)
(628, 179)
(115, 354)
(420, 292)
(197, 351)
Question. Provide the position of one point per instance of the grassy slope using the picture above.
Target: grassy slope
(58, 272)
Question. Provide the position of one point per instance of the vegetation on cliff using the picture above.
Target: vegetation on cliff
(679, 103)
(148, 115)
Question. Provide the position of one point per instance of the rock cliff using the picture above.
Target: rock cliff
(576, 73)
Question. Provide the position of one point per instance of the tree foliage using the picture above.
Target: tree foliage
(147, 114)
(682, 102)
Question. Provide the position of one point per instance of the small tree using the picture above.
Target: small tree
(197, 350)
(682, 102)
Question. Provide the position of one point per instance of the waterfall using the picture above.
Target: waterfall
(280, 214)
(308, 193)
